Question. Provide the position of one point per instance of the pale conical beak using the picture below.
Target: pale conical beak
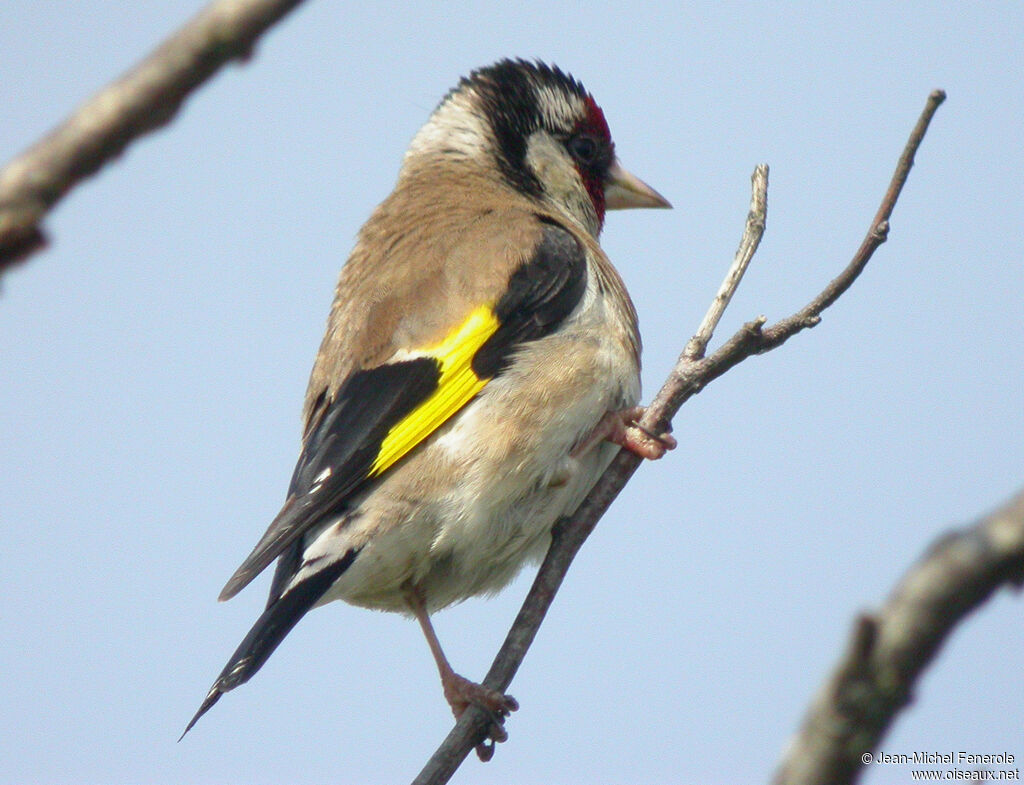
(623, 190)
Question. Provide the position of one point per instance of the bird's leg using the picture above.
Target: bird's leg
(622, 429)
(459, 691)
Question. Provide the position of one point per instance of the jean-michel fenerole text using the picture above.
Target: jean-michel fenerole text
(944, 758)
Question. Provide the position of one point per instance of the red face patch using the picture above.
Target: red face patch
(593, 174)
(595, 122)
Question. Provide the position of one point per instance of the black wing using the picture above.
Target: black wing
(341, 448)
(540, 294)
(339, 452)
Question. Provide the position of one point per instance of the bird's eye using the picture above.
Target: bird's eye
(583, 148)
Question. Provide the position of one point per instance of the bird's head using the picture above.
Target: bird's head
(540, 132)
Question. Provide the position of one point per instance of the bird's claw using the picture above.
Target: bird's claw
(650, 445)
(623, 428)
(460, 693)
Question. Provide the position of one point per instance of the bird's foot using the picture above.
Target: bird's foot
(622, 428)
(460, 692)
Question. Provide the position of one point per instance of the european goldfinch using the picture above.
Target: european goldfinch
(479, 372)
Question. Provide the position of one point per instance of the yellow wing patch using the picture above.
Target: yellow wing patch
(456, 386)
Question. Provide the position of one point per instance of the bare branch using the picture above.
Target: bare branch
(756, 220)
(691, 374)
(877, 234)
(141, 101)
(889, 650)
(689, 378)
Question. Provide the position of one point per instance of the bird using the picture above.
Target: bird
(479, 371)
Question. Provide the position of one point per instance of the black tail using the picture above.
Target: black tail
(269, 630)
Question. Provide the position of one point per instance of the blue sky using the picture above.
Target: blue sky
(155, 357)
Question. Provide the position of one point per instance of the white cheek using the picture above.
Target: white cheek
(552, 165)
(550, 162)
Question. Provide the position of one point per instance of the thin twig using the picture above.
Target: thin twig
(756, 220)
(877, 234)
(143, 100)
(687, 378)
(889, 650)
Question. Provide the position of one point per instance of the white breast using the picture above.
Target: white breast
(514, 443)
